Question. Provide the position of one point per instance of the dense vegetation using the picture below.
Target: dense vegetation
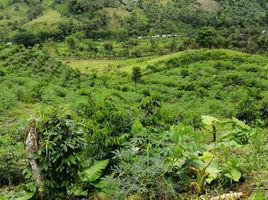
(144, 99)
(82, 24)
(136, 122)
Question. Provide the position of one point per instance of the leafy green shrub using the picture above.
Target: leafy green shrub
(58, 155)
(110, 130)
(12, 163)
(25, 38)
(150, 106)
(108, 46)
(2, 73)
(142, 168)
(208, 37)
(247, 111)
(7, 99)
(263, 110)
(136, 75)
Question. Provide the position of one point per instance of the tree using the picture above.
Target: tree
(207, 37)
(35, 11)
(247, 111)
(136, 75)
(262, 42)
(59, 158)
(71, 42)
(26, 38)
(3, 34)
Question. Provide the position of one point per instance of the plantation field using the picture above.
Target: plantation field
(174, 94)
(133, 100)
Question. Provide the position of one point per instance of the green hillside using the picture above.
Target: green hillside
(185, 85)
(14, 13)
(50, 18)
(122, 19)
(126, 65)
(133, 99)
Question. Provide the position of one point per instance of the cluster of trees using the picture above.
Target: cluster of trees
(247, 39)
(166, 17)
(237, 26)
(207, 37)
(35, 7)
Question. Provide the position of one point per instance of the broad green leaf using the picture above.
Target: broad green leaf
(136, 127)
(100, 184)
(213, 173)
(240, 124)
(78, 191)
(26, 196)
(207, 156)
(233, 174)
(94, 172)
(209, 120)
(178, 162)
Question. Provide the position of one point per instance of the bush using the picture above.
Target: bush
(108, 46)
(58, 156)
(247, 111)
(208, 37)
(2, 73)
(26, 38)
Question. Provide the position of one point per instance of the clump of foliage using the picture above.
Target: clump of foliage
(208, 37)
(58, 155)
(160, 165)
(25, 38)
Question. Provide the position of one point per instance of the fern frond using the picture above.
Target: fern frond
(94, 172)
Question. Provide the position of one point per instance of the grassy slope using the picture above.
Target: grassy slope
(167, 83)
(87, 65)
(48, 20)
(11, 15)
(170, 85)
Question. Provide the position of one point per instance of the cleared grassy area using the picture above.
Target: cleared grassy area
(126, 65)
(101, 65)
(49, 18)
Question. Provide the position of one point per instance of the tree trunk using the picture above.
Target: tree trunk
(214, 132)
(31, 148)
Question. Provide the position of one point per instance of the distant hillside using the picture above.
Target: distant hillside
(160, 15)
(47, 21)
(238, 26)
